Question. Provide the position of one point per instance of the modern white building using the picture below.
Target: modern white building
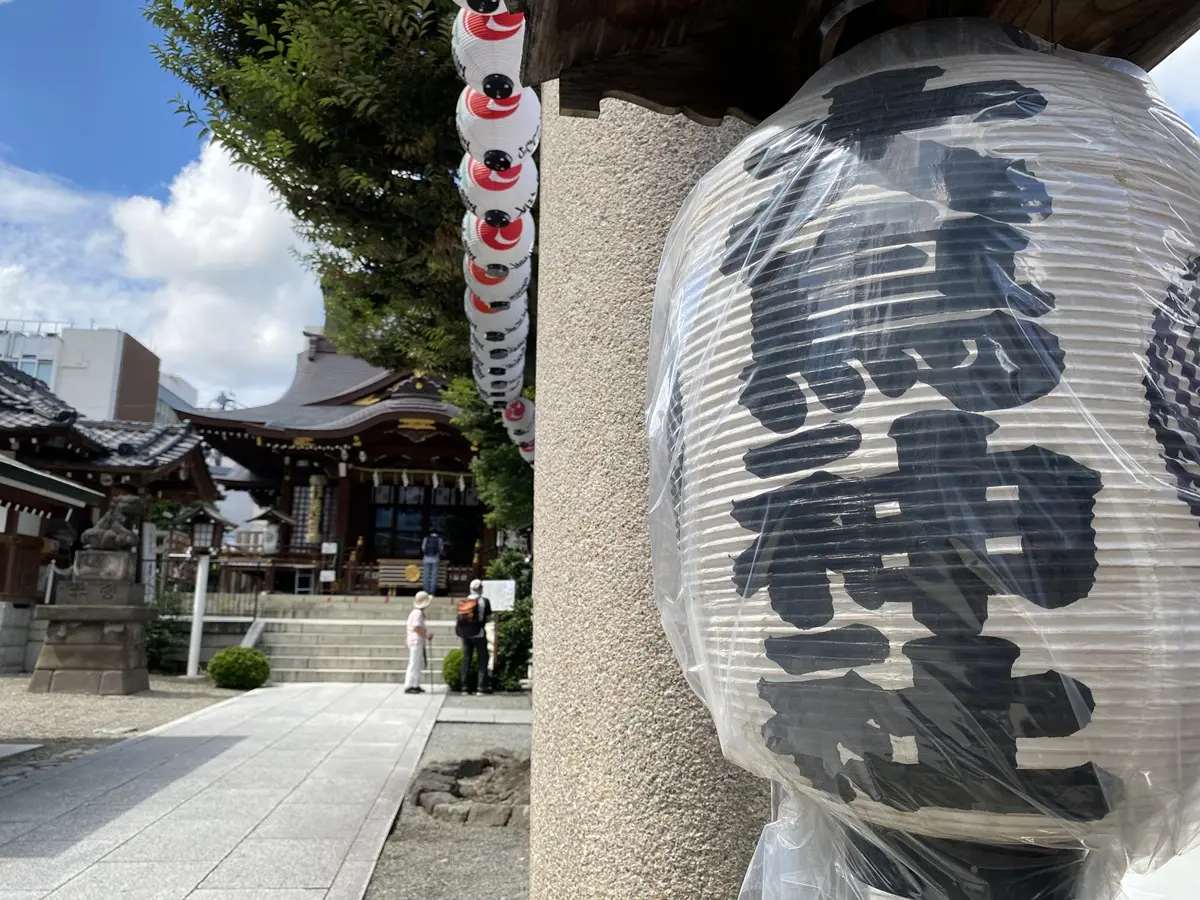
(174, 394)
(104, 373)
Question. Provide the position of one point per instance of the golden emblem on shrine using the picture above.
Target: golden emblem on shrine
(412, 573)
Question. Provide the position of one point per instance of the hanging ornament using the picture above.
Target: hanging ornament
(498, 198)
(404, 478)
(487, 52)
(527, 452)
(502, 315)
(499, 345)
(437, 482)
(497, 284)
(462, 484)
(499, 133)
(509, 246)
(375, 479)
(484, 7)
(519, 415)
(923, 422)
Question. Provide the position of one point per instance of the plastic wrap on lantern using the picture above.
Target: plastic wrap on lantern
(924, 460)
(499, 133)
(486, 7)
(497, 197)
(487, 51)
(509, 246)
(498, 284)
(499, 315)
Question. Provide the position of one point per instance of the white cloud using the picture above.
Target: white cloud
(1178, 77)
(208, 279)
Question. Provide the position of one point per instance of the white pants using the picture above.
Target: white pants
(416, 660)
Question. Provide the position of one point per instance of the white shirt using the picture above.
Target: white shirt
(416, 619)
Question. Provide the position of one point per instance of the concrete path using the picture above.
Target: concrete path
(287, 793)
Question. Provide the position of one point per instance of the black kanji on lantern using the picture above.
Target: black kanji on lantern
(894, 286)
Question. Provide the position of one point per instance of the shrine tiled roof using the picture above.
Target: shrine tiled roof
(29, 408)
(27, 404)
(332, 393)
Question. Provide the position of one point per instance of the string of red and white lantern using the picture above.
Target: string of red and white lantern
(500, 125)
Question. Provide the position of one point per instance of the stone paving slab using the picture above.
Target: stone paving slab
(484, 716)
(286, 793)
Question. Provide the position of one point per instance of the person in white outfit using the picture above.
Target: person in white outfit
(417, 636)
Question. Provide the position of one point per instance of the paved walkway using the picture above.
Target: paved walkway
(287, 793)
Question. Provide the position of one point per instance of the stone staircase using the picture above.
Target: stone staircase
(351, 640)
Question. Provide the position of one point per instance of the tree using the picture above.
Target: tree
(347, 108)
(503, 480)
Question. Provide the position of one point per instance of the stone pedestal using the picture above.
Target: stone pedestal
(96, 630)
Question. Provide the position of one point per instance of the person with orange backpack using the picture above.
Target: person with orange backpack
(473, 615)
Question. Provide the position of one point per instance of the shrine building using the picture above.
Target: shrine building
(353, 466)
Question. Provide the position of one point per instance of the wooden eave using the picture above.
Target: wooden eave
(746, 58)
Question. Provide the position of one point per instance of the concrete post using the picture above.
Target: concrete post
(198, 600)
(631, 797)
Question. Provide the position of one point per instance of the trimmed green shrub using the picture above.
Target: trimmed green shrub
(239, 668)
(452, 670)
(514, 640)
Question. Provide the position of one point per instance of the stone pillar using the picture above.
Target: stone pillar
(631, 796)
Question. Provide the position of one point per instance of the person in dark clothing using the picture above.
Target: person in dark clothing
(473, 616)
(432, 549)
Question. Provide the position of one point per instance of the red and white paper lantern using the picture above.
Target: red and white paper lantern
(494, 285)
(500, 315)
(509, 246)
(487, 51)
(494, 343)
(519, 416)
(497, 197)
(499, 133)
(527, 452)
(483, 7)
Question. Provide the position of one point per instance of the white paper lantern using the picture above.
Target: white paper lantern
(501, 315)
(929, 561)
(508, 247)
(485, 7)
(518, 417)
(483, 365)
(496, 285)
(499, 133)
(527, 452)
(496, 345)
(497, 197)
(487, 51)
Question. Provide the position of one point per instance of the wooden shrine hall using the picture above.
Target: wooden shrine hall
(354, 465)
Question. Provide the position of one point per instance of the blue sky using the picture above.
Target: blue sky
(112, 213)
(86, 100)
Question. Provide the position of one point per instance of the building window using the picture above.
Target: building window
(41, 369)
(45, 369)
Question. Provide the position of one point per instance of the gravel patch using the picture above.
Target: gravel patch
(427, 859)
(73, 725)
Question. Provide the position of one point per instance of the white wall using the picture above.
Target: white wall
(43, 348)
(88, 368)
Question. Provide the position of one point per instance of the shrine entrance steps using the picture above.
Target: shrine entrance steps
(363, 641)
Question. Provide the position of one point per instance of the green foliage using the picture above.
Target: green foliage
(514, 645)
(503, 480)
(347, 108)
(166, 638)
(164, 513)
(452, 670)
(511, 564)
(239, 668)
